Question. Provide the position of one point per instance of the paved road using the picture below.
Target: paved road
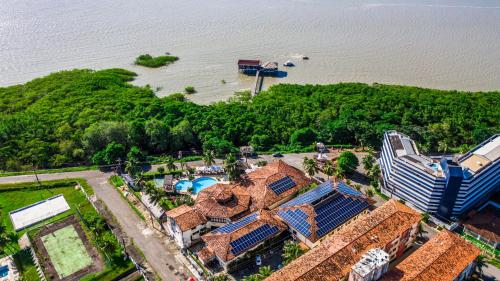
(158, 254)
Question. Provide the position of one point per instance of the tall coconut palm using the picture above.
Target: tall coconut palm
(132, 167)
(368, 162)
(170, 163)
(231, 167)
(310, 166)
(329, 169)
(155, 194)
(221, 277)
(265, 271)
(480, 263)
(209, 158)
(291, 251)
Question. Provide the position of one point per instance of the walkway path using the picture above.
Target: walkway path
(159, 253)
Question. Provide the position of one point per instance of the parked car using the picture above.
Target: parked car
(258, 260)
(277, 154)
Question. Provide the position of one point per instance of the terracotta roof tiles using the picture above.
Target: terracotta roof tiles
(219, 242)
(186, 217)
(223, 201)
(333, 259)
(258, 181)
(444, 257)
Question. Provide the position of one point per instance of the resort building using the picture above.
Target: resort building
(372, 266)
(264, 188)
(223, 203)
(230, 242)
(392, 227)
(323, 210)
(445, 257)
(440, 186)
(274, 184)
(185, 225)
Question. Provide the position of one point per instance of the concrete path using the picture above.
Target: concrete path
(158, 254)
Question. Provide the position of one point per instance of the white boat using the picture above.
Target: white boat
(288, 63)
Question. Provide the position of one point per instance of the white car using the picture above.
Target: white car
(258, 260)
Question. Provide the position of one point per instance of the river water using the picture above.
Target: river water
(439, 44)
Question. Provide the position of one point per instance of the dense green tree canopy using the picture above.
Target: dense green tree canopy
(68, 117)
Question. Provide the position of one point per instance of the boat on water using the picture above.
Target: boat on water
(289, 63)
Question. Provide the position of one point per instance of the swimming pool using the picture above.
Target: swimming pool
(198, 184)
(4, 271)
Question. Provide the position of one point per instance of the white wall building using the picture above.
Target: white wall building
(445, 187)
(371, 267)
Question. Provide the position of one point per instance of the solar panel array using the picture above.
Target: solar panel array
(251, 239)
(298, 220)
(282, 185)
(344, 188)
(330, 213)
(336, 212)
(233, 226)
(312, 195)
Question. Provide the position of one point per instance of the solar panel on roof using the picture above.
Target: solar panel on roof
(251, 239)
(297, 219)
(233, 226)
(344, 188)
(312, 195)
(282, 185)
(335, 215)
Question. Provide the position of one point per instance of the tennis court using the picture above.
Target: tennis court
(66, 251)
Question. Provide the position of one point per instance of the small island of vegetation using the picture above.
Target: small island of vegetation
(190, 90)
(149, 61)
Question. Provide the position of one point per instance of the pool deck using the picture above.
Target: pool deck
(13, 273)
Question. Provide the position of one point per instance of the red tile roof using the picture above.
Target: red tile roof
(186, 217)
(257, 183)
(223, 201)
(443, 258)
(485, 223)
(219, 242)
(249, 62)
(335, 256)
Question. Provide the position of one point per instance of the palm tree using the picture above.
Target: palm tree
(141, 179)
(329, 169)
(132, 167)
(170, 163)
(221, 277)
(480, 263)
(183, 163)
(253, 277)
(155, 194)
(368, 162)
(375, 171)
(209, 158)
(231, 167)
(310, 166)
(265, 271)
(369, 192)
(291, 251)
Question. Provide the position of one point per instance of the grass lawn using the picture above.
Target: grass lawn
(15, 196)
(26, 266)
(49, 171)
(66, 251)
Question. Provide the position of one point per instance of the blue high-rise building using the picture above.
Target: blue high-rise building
(446, 186)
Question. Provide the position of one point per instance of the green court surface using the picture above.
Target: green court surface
(66, 251)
